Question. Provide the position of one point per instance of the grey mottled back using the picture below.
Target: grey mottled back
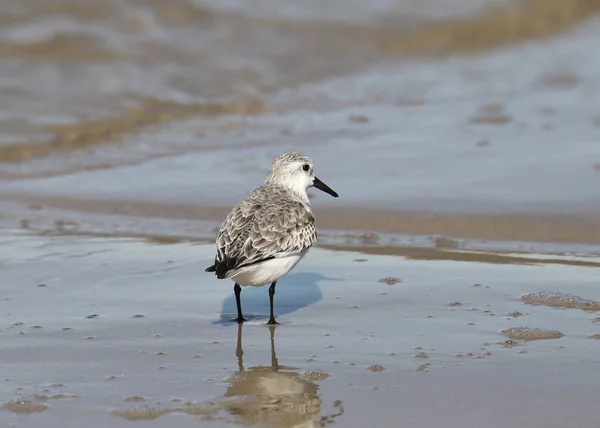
(270, 221)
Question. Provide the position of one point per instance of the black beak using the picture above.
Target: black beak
(324, 187)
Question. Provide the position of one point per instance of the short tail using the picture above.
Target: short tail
(221, 271)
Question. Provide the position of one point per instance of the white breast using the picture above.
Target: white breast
(268, 271)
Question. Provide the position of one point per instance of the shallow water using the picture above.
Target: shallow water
(140, 331)
(450, 119)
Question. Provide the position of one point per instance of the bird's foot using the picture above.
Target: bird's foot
(272, 321)
(240, 320)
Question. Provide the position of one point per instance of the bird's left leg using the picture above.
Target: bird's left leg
(271, 294)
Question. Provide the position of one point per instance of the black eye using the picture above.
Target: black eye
(305, 167)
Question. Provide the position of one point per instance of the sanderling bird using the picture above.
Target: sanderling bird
(267, 234)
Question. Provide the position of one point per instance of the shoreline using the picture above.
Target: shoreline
(384, 231)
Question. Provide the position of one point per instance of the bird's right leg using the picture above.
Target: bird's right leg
(238, 290)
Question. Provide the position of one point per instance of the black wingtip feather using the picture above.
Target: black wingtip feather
(222, 268)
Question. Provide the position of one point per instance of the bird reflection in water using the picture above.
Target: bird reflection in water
(274, 396)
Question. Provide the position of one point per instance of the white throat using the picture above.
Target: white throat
(300, 191)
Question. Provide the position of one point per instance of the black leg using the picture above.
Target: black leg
(271, 294)
(237, 290)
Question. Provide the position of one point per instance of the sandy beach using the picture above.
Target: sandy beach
(455, 280)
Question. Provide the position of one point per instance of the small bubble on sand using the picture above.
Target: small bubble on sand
(315, 375)
(443, 242)
(560, 79)
(142, 413)
(390, 280)
(509, 343)
(370, 237)
(43, 397)
(528, 333)
(138, 316)
(358, 118)
(376, 368)
(360, 260)
(515, 314)
(422, 367)
(24, 406)
(133, 399)
(491, 114)
(42, 285)
(561, 300)
(548, 111)
(421, 355)
(455, 303)
(92, 316)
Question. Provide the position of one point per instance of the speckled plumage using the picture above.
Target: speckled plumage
(269, 232)
(270, 222)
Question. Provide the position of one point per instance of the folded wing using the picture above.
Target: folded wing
(254, 232)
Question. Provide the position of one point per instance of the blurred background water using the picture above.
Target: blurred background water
(467, 118)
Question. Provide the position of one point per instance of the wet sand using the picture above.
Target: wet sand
(98, 331)
(455, 280)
